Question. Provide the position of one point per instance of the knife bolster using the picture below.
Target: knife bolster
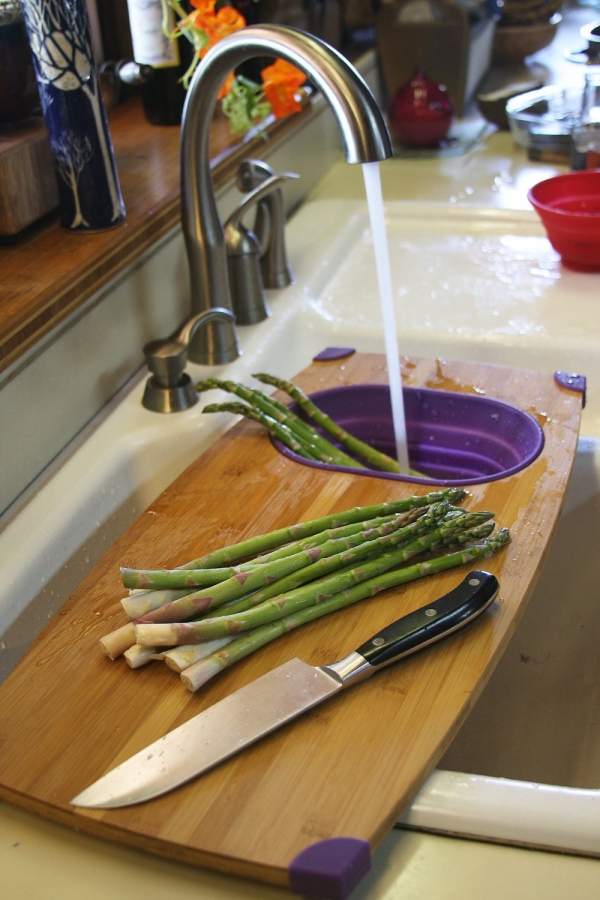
(349, 670)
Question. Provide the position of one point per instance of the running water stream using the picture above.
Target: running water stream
(384, 277)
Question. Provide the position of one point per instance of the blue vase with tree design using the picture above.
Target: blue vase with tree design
(89, 193)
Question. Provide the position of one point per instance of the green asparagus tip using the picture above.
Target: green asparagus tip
(455, 494)
(212, 407)
(240, 409)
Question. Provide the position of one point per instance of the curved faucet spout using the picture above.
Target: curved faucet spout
(364, 135)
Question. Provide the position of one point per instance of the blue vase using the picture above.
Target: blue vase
(89, 193)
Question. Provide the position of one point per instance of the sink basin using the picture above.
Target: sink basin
(475, 284)
(470, 283)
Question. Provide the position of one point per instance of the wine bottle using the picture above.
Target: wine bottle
(163, 94)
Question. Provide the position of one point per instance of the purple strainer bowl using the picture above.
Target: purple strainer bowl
(452, 438)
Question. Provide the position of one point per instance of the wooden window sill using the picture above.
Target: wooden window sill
(48, 272)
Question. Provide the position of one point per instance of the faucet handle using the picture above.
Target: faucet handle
(169, 388)
(269, 225)
(251, 173)
(244, 254)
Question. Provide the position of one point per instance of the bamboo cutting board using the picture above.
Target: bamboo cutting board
(346, 769)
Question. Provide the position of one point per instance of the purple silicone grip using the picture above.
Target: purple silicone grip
(332, 353)
(572, 382)
(453, 438)
(330, 869)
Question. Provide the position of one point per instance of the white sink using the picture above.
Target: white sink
(479, 284)
(470, 283)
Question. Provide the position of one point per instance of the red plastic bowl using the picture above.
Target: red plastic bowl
(569, 207)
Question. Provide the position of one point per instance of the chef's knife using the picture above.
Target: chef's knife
(278, 697)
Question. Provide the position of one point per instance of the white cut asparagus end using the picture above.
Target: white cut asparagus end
(156, 635)
(137, 656)
(118, 641)
(181, 658)
(201, 672)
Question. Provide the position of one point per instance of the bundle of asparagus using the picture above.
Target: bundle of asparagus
(293, 431)
(204, 616)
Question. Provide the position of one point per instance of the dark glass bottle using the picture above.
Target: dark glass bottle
(163, 94)
(18, 88)
(252, 12)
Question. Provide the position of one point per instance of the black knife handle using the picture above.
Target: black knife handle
(430, 623)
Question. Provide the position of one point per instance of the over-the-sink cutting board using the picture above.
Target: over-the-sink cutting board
(348, 768)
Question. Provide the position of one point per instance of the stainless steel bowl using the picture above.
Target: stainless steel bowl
(539, 119)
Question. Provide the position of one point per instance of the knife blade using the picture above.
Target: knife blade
(277, 697)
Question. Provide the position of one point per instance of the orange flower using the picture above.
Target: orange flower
(228, 20)
(203, 9)
(206, 7)
(280, 84)
(216, 26)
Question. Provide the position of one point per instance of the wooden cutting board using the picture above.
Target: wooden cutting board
(346, 769)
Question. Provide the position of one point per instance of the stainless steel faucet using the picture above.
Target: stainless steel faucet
(364, 135)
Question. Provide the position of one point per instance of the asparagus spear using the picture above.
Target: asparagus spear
(201, 672)
(184, 656)
(332, 533)
(281, 432)
(373, 457)
(280, 413)
(118, 641)
(255, 398)
(159, 579)
(137, 656)
(172, 633)
(153, 599)
(259, 577)
(303, 446)
(339, 563)
(167, 579)
(235, 553)
(180, 658)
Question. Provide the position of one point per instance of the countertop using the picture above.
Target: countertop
(39, 858)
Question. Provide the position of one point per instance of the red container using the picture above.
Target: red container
(569, 207)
